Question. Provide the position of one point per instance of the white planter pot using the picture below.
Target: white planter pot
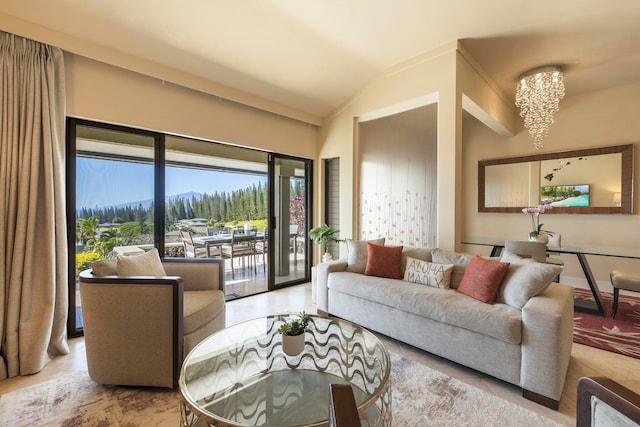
(540, 238)
(327, 257)
(293, 345)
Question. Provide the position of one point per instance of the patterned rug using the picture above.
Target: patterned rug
(619, 335)
(421, 396)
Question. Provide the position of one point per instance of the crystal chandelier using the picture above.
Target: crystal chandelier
(538, 96)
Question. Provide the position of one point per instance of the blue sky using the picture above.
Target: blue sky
(106, 182)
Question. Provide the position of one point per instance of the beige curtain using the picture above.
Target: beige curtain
(33, 243)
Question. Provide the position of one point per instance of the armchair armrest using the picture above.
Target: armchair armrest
(199, 274)
(322, 279)
(619, 403)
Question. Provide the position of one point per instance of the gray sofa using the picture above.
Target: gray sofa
(529, 346)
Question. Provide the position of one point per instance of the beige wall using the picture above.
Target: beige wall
(591, 120)
(107, 93)
(439, 76)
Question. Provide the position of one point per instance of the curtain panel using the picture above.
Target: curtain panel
(33, 243)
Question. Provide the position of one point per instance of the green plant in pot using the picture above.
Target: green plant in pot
(324, 235)
(293, 334)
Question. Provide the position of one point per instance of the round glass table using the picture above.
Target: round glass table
(241, 377)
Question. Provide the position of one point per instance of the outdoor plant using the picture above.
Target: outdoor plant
(535, 213)
(296, 326)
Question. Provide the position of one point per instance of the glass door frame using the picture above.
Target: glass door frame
(308, 166)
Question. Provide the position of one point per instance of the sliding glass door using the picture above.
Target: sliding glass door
(131, 190)
(290, 183)
(111, 209)
(217, 196)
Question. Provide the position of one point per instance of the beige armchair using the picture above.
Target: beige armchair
(139, 328)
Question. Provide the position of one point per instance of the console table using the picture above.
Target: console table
(581, 253)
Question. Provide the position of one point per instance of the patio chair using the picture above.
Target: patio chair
(242, 248)
(191, 248)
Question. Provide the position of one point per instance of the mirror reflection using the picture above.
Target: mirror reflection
(581, 181)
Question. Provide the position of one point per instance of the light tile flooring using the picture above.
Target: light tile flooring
(585, 361)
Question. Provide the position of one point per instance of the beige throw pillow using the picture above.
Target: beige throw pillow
(428, 273)
(147, 264)
(460, 263)
(525, 279)
(104, 267)
(357, 251)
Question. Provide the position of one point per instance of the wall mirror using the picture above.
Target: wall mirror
(590, 181)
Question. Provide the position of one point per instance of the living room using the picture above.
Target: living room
(475, 120)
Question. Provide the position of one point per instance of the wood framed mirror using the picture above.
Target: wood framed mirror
(589, 181)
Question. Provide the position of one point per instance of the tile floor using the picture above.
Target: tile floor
(585, 361)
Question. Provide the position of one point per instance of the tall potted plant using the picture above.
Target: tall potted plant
(323, 236)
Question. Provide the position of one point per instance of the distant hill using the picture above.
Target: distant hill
(146, 204)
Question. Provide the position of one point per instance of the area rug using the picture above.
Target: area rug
(620, 335)
(421, 397)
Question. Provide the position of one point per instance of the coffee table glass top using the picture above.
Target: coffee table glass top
(241, 377)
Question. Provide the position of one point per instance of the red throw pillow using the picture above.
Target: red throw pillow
(383, 261)
(482, 279)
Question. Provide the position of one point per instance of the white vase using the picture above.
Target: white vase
(327, 257)
(292, 345)
(540, 238)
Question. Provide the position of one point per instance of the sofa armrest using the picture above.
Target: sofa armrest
(198, 274)
(547, 338)
(322, 279)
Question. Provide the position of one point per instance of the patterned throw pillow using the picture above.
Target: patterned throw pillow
(483, 278)
(357, 254)
(383, 261)
(428, 273)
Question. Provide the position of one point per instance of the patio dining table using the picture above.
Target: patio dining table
(219, 239)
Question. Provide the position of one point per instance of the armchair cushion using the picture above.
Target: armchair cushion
(200, 308)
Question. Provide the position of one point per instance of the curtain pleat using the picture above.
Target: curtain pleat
(33, 245)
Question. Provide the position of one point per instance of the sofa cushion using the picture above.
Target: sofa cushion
(383, 261)
(428, 273)
(500, 321)
(460, 262)
(525, 279)
(483, 278)
(357, 253)
(147, 264)
(200, 307)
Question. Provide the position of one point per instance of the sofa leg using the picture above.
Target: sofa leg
(540, 399)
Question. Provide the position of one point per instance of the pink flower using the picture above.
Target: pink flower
(535, 212)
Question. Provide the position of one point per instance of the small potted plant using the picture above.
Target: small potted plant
(293, 334)
(324, 235)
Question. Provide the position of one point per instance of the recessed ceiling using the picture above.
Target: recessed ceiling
(314, 55)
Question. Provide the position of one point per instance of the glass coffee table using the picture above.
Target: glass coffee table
(241, 377)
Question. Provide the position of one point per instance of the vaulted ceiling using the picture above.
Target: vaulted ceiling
(313, 55)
